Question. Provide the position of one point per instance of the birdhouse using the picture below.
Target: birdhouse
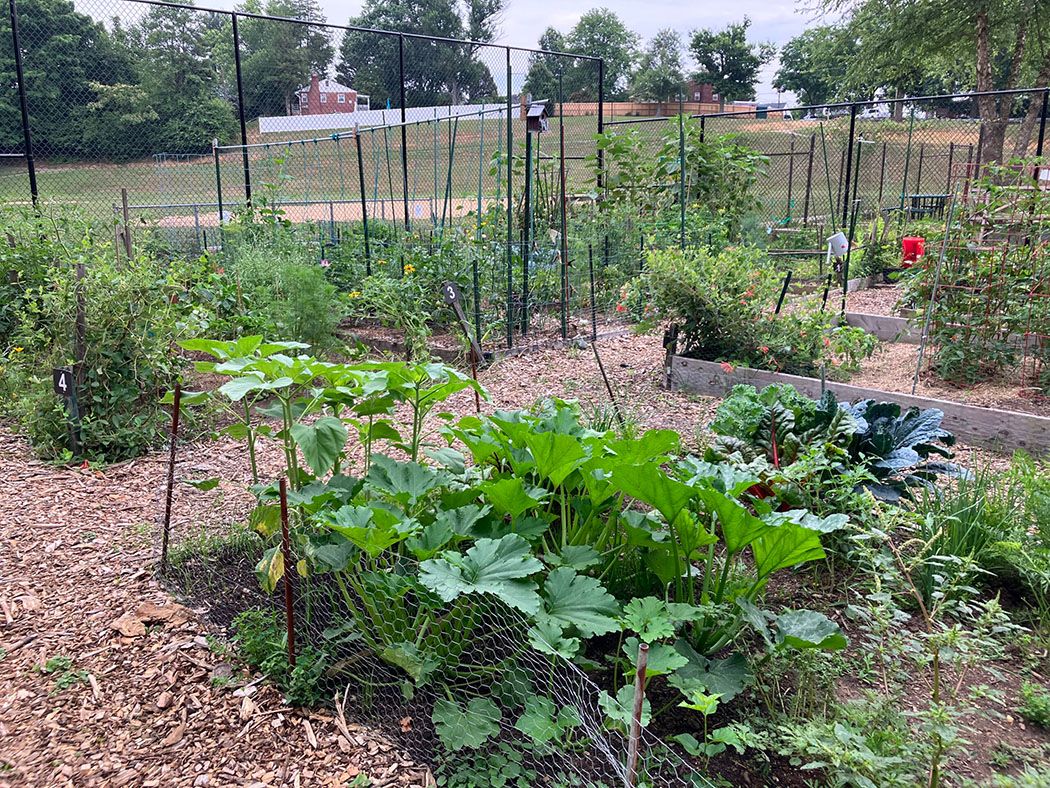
(536, 118)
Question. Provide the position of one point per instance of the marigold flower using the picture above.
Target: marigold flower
(19, 349)
(355, 294)
(380, 262)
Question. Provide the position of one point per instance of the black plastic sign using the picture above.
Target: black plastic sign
(63, 377)
(450, 292)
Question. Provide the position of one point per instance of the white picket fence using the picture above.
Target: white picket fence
(342, 121)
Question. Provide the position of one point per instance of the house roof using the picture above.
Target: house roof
(327, 85)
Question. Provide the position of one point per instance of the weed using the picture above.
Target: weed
(1035, 704)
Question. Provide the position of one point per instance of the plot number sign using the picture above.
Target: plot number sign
(450, 292)
(63, 381)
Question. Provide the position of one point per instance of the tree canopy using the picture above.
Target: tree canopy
(435, 72)
(658, 75)
(728, 61)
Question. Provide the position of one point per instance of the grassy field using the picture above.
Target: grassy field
(451, 163)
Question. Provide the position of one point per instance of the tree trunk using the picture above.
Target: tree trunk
(898, 107)
(1035, 106)
(287, 105)
(995, 114)
(721, 103)
(659, 108)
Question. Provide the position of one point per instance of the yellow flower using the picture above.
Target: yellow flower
(380, 262)
(409, 268)
(355, 294)
(19, 349)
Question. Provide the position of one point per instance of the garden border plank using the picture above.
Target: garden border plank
(991, 428)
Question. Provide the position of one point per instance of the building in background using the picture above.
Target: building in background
(326, 97)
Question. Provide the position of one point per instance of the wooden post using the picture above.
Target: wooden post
(289, 571)
(636, 715)
(127, 222)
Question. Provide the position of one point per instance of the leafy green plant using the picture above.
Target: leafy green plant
(1035, 704)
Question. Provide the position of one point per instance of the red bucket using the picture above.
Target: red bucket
(912, 247)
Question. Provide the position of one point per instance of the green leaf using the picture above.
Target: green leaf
(270, 569)
(547, 637)
(783, 546)
(654, 444)
(649, 484)
(724, 677)
(202, 484)
(509, 497)
(467, 727)
(621, 708)
(663, 659)
(648, 616)
(321, 442)
(453, 460)
(556, 455)
(580, 601)
(739, 527)
(408, 657)
(805, 629)
(577, 557)
(538, 722)
(498, 567)
(358, 524)
(405, 482)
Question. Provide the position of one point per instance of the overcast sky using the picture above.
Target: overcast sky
(525, 20)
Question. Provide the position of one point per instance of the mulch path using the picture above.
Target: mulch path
(141, 710)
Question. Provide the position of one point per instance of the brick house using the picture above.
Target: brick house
(326, 97)
(696, 91)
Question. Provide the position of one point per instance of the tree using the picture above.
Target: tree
(63, 53)
(277, 58)
(179, 79)
(659, 73)
(435, 72)
(1001, 40)
(544, 69)
(600, 33)
(813, 65)
(728, 62)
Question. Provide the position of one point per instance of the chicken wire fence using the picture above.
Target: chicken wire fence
(470, 688)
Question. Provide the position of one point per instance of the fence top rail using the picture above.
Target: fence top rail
(866, 102)
(343, 135)
(355, 29)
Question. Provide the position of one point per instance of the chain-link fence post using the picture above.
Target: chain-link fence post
(23, 105)
(601, 121)
(404, 127)
(240, 113)
(849, 163)
(1042, 123)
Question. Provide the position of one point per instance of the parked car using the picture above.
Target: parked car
(874, 112)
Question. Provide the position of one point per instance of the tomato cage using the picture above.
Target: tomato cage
(987, 293)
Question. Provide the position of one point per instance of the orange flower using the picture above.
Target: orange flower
(727, 367)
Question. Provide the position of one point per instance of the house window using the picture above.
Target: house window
(324, 98)
(342, 98)
(696, 96)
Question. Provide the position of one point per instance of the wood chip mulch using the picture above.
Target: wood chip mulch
(148, 702)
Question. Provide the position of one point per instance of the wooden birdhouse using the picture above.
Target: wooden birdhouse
(536, 118)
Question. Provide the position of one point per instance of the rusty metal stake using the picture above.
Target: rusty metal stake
(608, 386)
(286, 552)
(636, 716)
(171, 479)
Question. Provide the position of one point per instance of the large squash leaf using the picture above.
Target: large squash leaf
(497, 567)
(320, 442)
(467, 727)
(579, 601)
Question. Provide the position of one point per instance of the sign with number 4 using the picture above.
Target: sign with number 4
(63, 377)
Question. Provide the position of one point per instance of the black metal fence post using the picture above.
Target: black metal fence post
(24, 106)
(809, 179)
(240, 113)
(601, 121)
(1042, 123)
(849, 164)
(404, 127)
(364, 205)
